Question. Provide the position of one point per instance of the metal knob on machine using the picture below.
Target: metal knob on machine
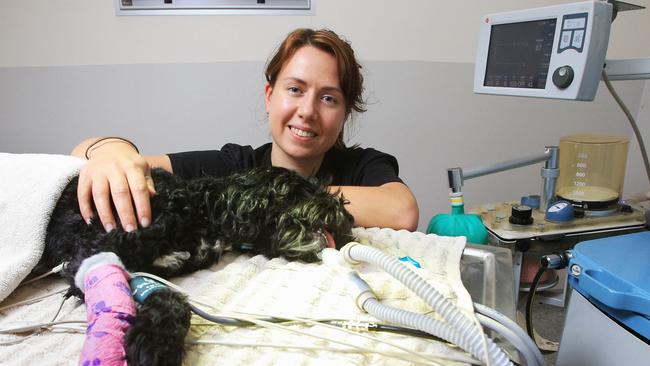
(563, 76)
(521, 215)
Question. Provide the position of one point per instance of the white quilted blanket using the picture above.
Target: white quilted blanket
(273, 287)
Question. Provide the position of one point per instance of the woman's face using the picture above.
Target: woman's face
(306, 110)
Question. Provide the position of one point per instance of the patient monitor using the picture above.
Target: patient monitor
(550, 52)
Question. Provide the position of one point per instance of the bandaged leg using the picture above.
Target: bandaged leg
(110, 309)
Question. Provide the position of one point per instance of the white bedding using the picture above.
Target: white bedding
(274, 287)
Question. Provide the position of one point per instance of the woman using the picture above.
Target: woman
(313, 85)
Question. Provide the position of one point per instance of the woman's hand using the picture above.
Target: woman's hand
(115, 171)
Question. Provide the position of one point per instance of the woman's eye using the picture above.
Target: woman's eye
(329, 99)
(293, 89)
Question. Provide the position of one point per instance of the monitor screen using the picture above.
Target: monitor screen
(519, 54)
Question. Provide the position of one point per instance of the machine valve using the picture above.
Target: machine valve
(556, 261)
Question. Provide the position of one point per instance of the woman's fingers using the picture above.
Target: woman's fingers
(85, 197)
(121, 191)
(150, 185)
(141, 185)
(101, 195)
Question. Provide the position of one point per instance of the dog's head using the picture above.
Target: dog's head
(289, 215)
(310, 215)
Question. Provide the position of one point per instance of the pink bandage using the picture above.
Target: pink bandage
(110, 310)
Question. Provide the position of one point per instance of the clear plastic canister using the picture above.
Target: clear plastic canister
(592, 169)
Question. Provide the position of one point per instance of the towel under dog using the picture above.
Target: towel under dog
(30, 187)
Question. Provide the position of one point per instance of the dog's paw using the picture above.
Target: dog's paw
(158, 334)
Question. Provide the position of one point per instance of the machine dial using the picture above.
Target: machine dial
(560, 211)
(521, 215)
(563, 76)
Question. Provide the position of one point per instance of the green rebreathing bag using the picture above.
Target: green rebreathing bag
(458, 223)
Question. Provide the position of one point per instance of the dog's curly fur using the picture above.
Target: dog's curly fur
(270, 211)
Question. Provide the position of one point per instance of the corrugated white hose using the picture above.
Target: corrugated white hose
(514, 328)
(510, 336)
(432, 326)
(472, 337)
(365, 299)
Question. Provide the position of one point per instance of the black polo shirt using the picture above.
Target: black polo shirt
(353, 166)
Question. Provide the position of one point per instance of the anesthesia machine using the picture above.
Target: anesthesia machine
(558, 52)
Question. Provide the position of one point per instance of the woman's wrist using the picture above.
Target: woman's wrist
(105, 141)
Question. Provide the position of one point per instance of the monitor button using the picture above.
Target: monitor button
(565, 40)
(578, 38)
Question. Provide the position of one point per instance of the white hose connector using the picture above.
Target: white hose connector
(345, 253)
(357, 288)
(472, 337)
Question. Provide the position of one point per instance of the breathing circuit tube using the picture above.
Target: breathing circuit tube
(512, 332)
(431, 326)
(460, 329)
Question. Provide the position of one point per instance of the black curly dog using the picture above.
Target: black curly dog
(270, 211)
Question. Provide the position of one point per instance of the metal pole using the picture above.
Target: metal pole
(550, 172)
(506, 165)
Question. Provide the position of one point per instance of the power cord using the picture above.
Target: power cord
(550, 261)
(529, 302)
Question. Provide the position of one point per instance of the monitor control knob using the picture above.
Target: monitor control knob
(563, 76)
(521, 215)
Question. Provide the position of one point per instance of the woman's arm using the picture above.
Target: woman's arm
(116, 172)
(390, 205)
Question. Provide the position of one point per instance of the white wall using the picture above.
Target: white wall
(87, 32)
(71, 69)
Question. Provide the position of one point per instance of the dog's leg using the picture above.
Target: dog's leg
(158, 335)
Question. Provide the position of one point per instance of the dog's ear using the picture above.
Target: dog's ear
(338, 221)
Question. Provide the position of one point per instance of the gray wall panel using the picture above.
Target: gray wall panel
(423, 112)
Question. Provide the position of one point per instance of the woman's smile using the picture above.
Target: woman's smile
(302, 132)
